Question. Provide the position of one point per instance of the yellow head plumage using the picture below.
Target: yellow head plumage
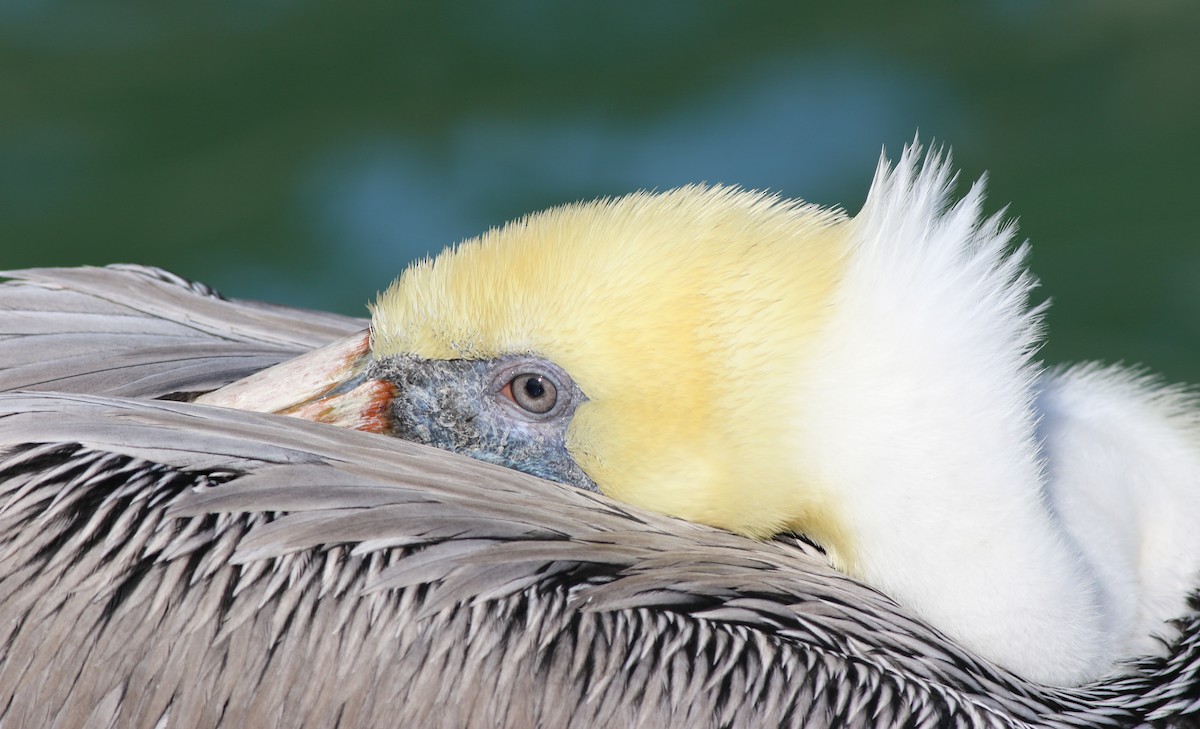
(668, 310)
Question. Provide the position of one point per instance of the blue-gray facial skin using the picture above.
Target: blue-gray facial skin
(512, 411)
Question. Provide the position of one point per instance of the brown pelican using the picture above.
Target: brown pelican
(168, 563)
(173, 565)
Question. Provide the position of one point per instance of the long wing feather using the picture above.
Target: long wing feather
(138, 331)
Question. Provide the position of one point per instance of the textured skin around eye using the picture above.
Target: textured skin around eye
(453, 405)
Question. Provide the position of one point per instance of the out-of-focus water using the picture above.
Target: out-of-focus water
(303, 151)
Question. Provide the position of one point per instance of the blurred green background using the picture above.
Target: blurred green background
(302, 151)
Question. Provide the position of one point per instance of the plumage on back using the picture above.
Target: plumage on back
(270, 574)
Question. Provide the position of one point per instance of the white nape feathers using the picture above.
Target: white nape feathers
(1046, 520)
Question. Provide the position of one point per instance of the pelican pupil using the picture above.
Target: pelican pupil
(534, 393)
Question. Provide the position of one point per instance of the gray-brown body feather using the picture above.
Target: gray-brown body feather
(164, 564)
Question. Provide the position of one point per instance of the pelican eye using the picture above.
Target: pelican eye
(533, 392)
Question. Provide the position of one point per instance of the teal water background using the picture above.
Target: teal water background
(303, 151)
